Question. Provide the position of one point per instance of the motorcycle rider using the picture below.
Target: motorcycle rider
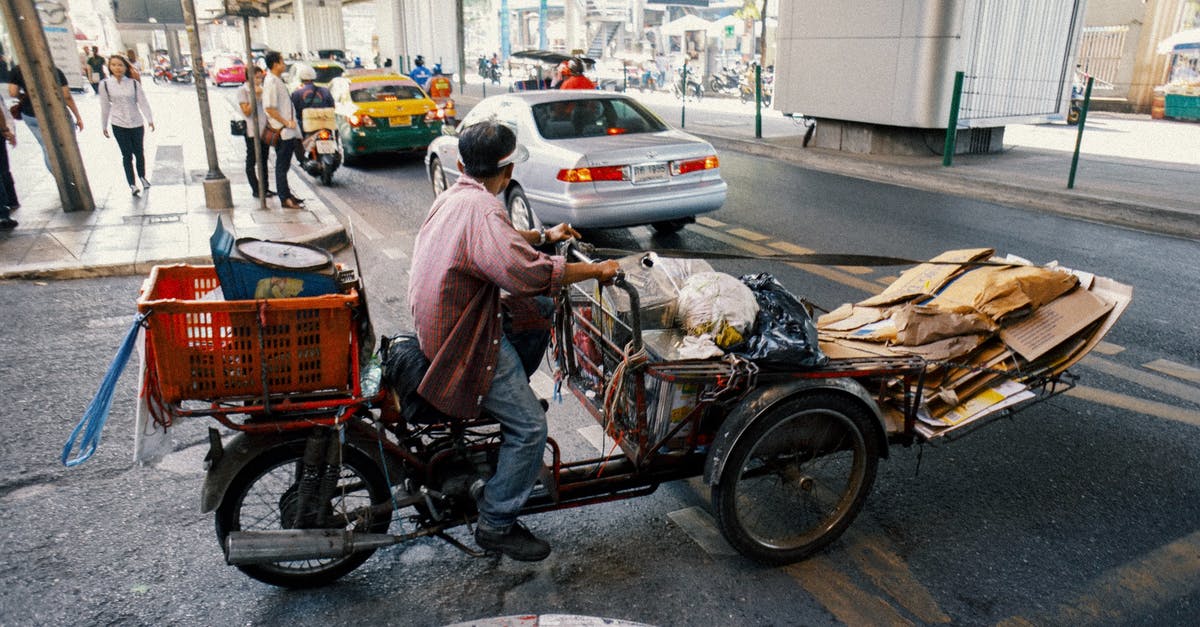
(420, 74)
(308, 94)
(466, 253)
(576, 80)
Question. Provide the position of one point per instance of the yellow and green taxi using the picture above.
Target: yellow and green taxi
(383, 112)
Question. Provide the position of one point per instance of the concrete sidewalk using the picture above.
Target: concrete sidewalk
(169, 222)
(1158, 192)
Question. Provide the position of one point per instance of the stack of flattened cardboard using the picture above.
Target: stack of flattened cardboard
(989, 327)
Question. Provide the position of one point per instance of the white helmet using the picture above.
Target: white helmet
(305, 72)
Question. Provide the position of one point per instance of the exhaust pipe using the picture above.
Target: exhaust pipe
(287, 545)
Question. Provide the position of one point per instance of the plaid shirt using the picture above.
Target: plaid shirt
(466, 253)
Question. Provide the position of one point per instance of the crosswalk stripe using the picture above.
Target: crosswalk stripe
(709, 222)
(1129, 592)
(748, 234)
(594, 434)
(1108, 348)
(891, 574)
(1141, 406)
(1144, 379)
(1173, 369)
(847, 602)
(702, 529)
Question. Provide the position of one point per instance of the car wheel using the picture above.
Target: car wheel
(437, 176)
(667, 227)
(518, 209)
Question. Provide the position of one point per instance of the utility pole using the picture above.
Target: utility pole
(58, 132)
(217, 194)
(460, 35)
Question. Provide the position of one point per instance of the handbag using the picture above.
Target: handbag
(237, 127)
(270, 135)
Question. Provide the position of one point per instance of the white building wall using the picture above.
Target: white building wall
(892, 62)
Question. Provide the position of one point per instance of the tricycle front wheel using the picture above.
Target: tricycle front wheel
(797, 478)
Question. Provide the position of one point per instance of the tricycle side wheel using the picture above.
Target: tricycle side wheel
(267, 487)
(797, 478)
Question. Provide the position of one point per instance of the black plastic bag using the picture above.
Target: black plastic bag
(785, 336)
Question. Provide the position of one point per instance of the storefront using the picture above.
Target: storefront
(1181, 93)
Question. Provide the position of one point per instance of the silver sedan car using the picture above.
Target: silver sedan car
(596, 160)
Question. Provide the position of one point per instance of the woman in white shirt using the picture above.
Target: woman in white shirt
(123, 101)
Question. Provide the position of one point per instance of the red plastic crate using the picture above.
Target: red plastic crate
(217, 349)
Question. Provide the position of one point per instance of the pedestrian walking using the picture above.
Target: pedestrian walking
(123, 103)
(18, 90)
(8, 193)
(135, 66)
(95, 69)
(254, 172)
(277, 102)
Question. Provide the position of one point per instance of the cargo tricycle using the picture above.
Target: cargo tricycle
(325, 468)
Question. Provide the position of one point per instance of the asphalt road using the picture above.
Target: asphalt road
(1081, 510)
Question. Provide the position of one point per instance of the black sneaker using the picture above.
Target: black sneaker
(518, 543)
(8, 224)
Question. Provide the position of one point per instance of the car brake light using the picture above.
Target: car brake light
(587, 175)
(356, 120)
(434, 115)
(615, 130)
(694, 165)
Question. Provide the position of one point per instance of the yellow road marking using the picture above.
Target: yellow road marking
(1106, 348)
(847, 602)
(748, 234)
(1144, 379)
(886, 280)
(716, 224)
(826, 272)
(1175, 370)
(891, 574)
(1129, 592)
(1141, 406)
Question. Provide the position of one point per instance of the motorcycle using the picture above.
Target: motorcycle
(694, 87)
(319, 154)
(726, 81)
(746, 86)
(166, 74)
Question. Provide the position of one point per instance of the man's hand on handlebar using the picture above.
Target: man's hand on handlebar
(561, 232)
(606, 270)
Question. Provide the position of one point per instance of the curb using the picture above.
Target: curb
(331, 238)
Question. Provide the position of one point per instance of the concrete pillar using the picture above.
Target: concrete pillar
(301, 15)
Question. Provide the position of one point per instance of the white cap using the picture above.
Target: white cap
(518, 155)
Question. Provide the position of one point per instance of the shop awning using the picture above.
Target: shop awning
(1183, 40)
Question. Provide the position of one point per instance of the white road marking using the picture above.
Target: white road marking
(1144, 379)
(1173, 369)
(702, 529)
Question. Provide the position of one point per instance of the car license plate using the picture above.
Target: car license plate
(649, 172)
(326, 147)
(400, 120)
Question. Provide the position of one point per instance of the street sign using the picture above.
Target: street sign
(729, 30)
(248, 8)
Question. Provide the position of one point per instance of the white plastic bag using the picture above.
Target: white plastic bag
(717, 304)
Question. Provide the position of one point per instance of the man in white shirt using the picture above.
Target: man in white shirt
(277, 102)
(255, 171)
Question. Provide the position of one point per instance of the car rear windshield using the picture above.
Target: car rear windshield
(326, 74)
(571, 119)
(385, 92)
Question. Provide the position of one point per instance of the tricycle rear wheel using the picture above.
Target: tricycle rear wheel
(797, 478)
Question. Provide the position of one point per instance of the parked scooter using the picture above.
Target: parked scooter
(166, 74)
(726, 81)
(746, 86)
(319, 153)
(694, 88)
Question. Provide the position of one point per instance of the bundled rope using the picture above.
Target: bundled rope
(96, 415)
(613, 391)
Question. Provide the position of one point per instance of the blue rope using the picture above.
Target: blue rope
(96, 415)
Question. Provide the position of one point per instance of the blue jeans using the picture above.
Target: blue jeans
(36, 128)
(523, 427)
